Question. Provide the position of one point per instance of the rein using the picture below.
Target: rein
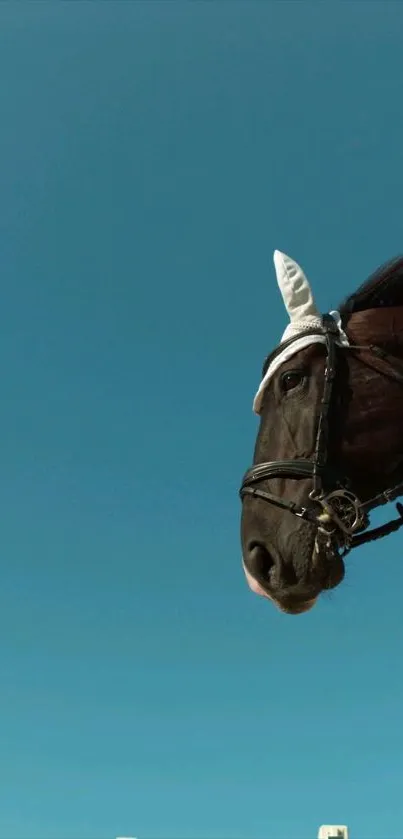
(337, 513)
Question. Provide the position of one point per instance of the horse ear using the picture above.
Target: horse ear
(295, 289)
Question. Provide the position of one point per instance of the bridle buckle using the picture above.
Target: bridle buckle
(345, 511)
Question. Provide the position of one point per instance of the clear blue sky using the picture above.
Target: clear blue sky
(152, 156)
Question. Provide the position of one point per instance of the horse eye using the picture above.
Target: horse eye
(291, 380)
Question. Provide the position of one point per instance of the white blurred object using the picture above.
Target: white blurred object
(333, 831)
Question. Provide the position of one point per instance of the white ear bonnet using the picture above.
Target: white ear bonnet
(303, 314)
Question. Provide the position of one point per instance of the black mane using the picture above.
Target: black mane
(383, 289)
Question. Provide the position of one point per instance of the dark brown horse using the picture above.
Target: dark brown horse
(330, 442)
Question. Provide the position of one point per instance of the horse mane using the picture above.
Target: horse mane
(383, 289)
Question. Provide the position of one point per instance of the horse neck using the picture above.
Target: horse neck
(378, 413)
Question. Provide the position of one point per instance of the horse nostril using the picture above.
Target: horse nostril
(259, 561)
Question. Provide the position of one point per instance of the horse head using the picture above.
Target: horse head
(329, 447)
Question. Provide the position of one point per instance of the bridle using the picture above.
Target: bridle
(338, 514)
